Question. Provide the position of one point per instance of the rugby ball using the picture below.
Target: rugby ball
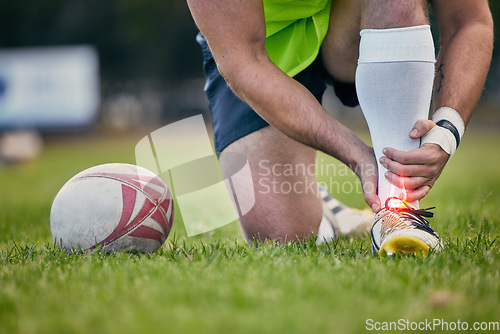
(112, 207)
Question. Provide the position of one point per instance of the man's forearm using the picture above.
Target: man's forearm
(462, 67)
(292, 109)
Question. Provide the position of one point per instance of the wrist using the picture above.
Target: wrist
(448, 131)
(362, 160)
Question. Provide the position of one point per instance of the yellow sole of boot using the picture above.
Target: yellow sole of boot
(405, 245)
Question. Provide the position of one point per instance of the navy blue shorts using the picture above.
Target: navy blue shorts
(233, 119)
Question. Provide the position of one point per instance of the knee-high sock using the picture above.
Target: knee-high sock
(394, 82)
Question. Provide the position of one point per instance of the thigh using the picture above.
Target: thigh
(287, 203)
(340, 48)
(386, 14)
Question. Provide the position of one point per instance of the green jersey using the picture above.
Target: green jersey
(295, 30)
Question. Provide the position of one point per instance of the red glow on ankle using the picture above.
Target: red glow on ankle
(394, 203)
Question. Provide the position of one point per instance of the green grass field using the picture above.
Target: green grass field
(215, 283)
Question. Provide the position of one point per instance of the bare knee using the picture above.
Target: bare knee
(283, 182)
(340, 47)
(384, 14)
(281, 221)
(286, 207)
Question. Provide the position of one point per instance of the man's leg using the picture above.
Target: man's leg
(394, 78)
(340, 49)
(287, 204)
(287, 200)
(393, 85)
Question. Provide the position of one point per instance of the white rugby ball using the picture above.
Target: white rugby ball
(112, 207)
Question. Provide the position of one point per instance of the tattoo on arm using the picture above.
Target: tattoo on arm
(439, 72)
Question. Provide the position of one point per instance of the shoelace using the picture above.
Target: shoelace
(413, 216)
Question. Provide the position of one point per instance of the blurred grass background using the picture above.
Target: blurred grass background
(470, 183)
(215, 283)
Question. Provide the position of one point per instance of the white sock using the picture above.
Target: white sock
(325, 231)
(394, 82)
